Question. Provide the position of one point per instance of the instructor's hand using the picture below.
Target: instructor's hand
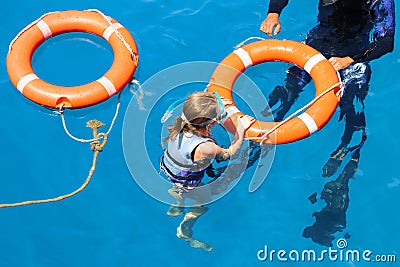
(339, 63)
(271, 22)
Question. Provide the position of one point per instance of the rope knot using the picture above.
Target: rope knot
(96, 146)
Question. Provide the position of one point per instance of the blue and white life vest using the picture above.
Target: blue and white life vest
(177, 161)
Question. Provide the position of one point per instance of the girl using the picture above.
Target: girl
(190, 150)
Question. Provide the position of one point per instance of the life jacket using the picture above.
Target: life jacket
(177, 161)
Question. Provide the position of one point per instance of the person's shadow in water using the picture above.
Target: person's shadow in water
(332, 218)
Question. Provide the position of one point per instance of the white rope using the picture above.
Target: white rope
(68, 132)
(248, 39)
(81, 140)
(119, 35)
(115, 115)
(28, 27)
(267, 133)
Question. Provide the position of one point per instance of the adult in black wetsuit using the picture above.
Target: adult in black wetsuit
(349, 33)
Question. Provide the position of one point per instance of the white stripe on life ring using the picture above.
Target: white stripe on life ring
(312, 61)
(230, 111)
(25, 80)
(110, 30)
(244, 57)
(108, 85)
(309, 122)
(45, 29)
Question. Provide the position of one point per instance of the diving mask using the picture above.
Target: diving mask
(221, 112)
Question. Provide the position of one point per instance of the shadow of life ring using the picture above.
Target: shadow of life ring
(21, 50)
(304, 56)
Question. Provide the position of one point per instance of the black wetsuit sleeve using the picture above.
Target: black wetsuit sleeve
(382, 35)
(276, 6)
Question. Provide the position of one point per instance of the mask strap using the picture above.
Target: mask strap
(170, 109)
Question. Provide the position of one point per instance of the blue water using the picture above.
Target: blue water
(113, 222)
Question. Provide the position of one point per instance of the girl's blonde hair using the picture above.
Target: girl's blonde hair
(199, 108)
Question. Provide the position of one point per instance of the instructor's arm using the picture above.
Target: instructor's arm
(271, 24)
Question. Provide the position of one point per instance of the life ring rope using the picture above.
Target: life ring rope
(249, 39)
(114, 28)
(304, 117)
(82, 140)
(96, 146)
(33, 23)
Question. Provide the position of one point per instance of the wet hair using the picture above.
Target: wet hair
(199, 108)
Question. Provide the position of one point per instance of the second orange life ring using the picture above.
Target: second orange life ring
(304, 56)
(23, 77)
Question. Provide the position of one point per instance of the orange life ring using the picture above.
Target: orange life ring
(23, 77)
(304, 56)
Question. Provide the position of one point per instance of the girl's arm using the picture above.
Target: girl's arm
(210, 150)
